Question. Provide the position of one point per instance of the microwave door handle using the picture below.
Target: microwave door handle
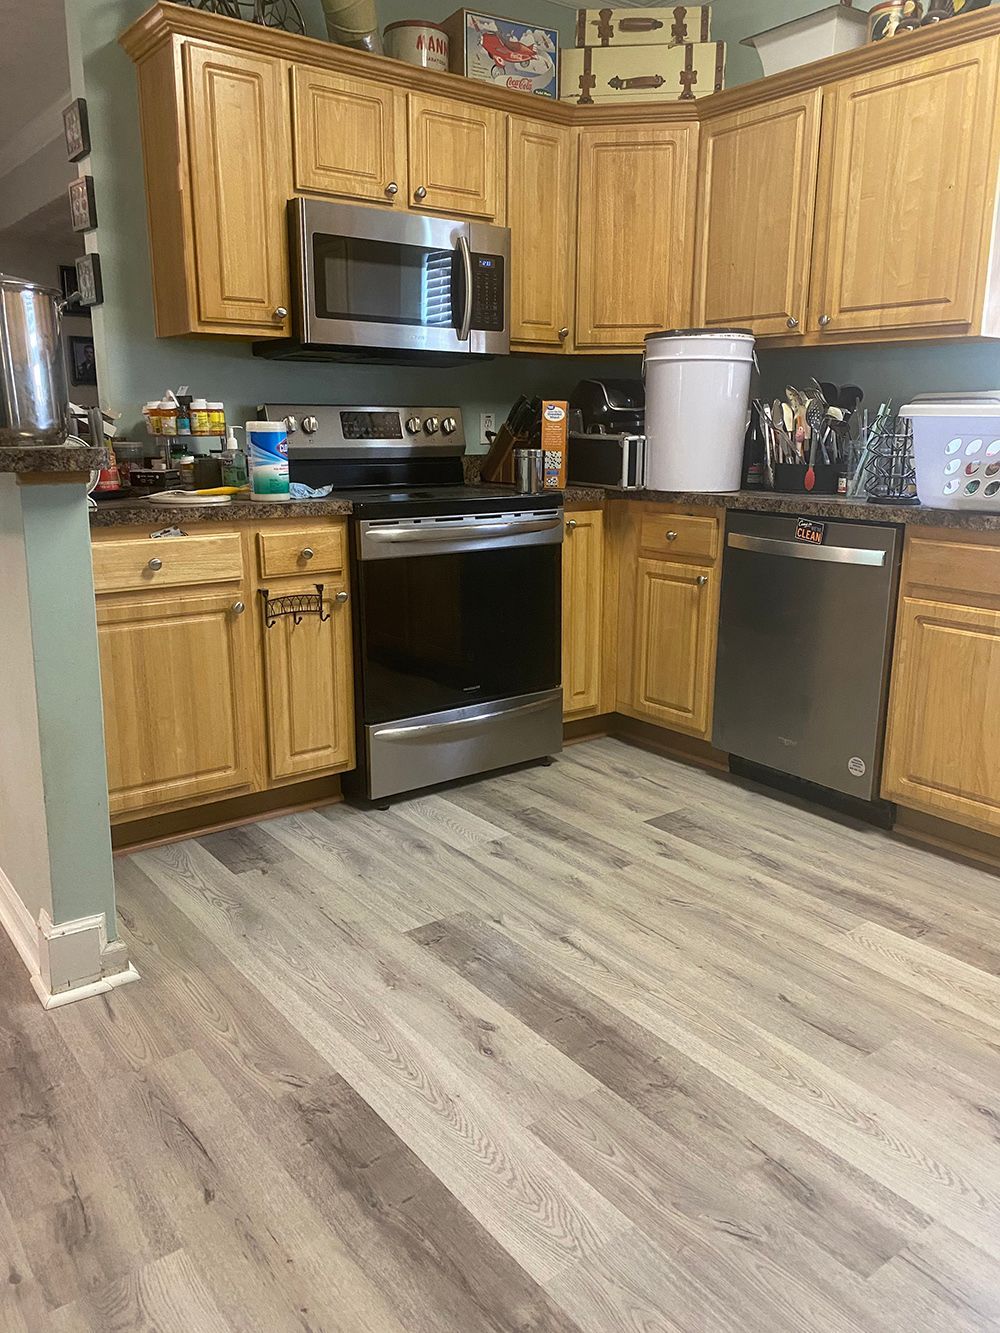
(465, 251)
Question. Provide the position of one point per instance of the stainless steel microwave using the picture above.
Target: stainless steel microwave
(379, 286)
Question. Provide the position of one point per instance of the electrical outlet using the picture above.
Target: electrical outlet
(487, 422)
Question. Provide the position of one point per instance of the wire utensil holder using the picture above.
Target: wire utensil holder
(296, 604)
(889, 473)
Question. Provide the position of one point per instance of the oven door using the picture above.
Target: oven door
(373, 279)
(456, 612)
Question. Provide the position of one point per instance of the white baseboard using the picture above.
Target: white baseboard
(84, 992)
(17, 921)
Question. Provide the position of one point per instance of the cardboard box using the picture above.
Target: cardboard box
(666, 26)
(555, 423)
(601, 74)
(509, 54)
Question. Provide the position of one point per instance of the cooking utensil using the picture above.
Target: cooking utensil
(34, 399)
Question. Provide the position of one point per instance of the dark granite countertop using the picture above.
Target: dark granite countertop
(132, 512)
(51, 458)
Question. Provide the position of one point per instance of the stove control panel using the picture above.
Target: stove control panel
(362, 430)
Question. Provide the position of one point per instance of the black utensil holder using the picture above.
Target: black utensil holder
(791, 478)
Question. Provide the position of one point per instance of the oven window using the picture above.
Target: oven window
(442, 631)
(383, 282)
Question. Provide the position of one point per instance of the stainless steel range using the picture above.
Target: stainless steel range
(457, 594)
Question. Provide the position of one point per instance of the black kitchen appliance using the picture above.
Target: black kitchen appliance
(607, 442)
(456, 595)
(608, 407)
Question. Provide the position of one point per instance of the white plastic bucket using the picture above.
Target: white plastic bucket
(697, 394)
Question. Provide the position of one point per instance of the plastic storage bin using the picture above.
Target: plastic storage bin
(956, 448)
(697, 395)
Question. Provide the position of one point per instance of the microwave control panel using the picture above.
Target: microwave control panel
(488, 293)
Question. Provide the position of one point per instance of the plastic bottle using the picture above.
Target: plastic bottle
(168, 417)
(184, 415)
(201, 419)
(217, 417)
(234, 463)
(186, 464)
(151, 413)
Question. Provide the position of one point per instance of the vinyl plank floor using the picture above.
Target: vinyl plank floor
(613, 1045)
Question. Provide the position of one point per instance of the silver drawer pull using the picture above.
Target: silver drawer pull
(701, 580)
(156, 563)
(571, 524)
(671, 536)
(341, 596)
(239, 608)
(307, 553)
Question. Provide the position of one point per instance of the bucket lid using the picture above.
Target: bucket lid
(972, 406)
(700, 333)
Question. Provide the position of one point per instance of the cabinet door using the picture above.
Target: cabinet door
(178, 685)
(240, 182)
(755, 216)
(635, 245)
(906, 194)
(674, 648)
(349, 137)
(582, 613)
(541, 217)
(456, 157)
(309, 688)
(943, 744)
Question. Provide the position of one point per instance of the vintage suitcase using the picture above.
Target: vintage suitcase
(505, 52)
(663, 26)
(601, 74)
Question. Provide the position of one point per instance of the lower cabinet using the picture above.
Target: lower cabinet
(308, 688)
(674, 645)
(583, 611)
(177, 673)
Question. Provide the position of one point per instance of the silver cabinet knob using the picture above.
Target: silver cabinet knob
(156, 563)
(792, 322)
(420, 192)
(310, 425)
(824, 321)
(571, 523)
(239, 608)
(671, 536)
(280, 312)
(563, 333)
(341, 596)
(391, 189)
(413, 424)
(307, 553)
(431, 425)
(449, 425)
(701, 580)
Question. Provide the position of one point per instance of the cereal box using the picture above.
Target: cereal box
(503, 52)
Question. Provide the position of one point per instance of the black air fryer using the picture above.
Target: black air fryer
(608, 407)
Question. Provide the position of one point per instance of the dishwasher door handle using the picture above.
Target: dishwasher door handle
(834, 555)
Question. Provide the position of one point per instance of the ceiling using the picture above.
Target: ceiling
(34, 63)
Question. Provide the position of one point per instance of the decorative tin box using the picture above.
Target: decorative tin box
(667, 26)
(642, 73)
(509, 54)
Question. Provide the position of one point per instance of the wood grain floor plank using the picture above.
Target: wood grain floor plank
(166, 1294)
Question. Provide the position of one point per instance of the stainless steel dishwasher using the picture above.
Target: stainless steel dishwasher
(805, 636)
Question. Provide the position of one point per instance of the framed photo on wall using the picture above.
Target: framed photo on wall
(88, 280)
(82, 360)
(76, 129)
(68, 286)
(82, 204)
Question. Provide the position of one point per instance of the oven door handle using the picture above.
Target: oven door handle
(429, 730)
(461, 534)
(465, 251)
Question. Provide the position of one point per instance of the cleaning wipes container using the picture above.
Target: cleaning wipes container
(267, 451)
(697, 396)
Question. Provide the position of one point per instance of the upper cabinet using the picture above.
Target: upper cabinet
(541, 216)
(457, 157)
(349, 137)
(907, 195)
(755, 216)
(635, 237)
(237, 123)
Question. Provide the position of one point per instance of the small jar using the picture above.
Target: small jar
(151, 413)
(201, 418)
(168, 417)
(186, 469)
(217, 416)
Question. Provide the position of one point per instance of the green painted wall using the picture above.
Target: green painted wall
(732, 20)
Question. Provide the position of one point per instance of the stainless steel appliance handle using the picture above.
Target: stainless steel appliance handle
(429, 730)
(834, 555)
(465, 250)
(439, 533)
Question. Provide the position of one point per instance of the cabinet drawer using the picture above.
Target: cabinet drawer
(301, 551)
(679, 535)
(166, 562)
(938, 561)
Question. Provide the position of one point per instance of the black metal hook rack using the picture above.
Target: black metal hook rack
(296, 605)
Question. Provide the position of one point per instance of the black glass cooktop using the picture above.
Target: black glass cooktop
(416, 501)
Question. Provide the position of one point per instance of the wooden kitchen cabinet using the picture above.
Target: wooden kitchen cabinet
(757, 173)
(635, 238)
(308, 686)
(673, 652)
(457, 157)
(541, 177)
(907, 193)
(237, 120)
(177, 673)
(583, 611)
(349, 137)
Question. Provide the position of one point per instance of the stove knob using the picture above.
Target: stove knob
(291, 424)
(310, 425)
(431, 425)
(413, 424)
(449, 425)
